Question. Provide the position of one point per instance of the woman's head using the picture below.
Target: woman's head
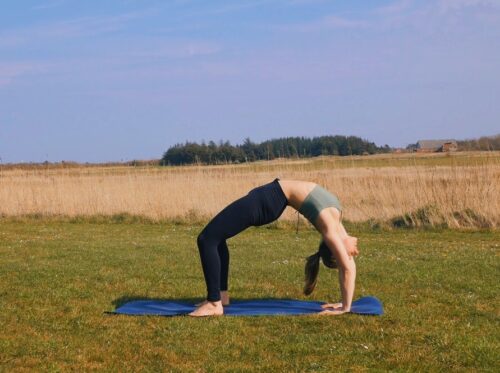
(326, 255)
(312, 266)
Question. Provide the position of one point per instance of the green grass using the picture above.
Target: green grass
(439, 288)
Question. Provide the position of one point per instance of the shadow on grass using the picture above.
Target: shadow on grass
(118, 302)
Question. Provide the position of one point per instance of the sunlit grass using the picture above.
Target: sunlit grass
(439, 288)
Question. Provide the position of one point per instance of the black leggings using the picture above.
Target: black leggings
(260, 206)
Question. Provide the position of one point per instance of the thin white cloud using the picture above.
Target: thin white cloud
(333, 21)
(325, 23)
(436, 16)
(446, 6)
(49, 5)
(78, 27)
(141, 56)
(11, 40)
(173, 49)
(88, 26)
(238, 6)
(304, 2)
(12, 70)
(395, 7)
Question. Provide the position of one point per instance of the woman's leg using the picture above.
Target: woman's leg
(211, 243)
(224, 265)
(261, 206)
(224, 272)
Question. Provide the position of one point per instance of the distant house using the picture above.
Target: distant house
(436, 146)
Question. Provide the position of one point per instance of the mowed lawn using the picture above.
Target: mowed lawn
(57, 279)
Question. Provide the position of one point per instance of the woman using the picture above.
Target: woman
(263, 205)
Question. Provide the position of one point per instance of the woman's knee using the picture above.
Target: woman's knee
(205, 240)
(201, 240)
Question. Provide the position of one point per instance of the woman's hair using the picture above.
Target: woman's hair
(312, 266)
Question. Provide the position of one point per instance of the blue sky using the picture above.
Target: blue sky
(112, 80)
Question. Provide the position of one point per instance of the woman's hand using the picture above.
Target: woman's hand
(351, 245)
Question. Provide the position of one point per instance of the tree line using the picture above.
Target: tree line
(287, 147)
(482, 143)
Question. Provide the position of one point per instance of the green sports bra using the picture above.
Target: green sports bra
(316, 201)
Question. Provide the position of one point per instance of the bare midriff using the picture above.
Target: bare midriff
(296, 191)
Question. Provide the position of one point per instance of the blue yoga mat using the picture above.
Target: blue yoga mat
(256, 307)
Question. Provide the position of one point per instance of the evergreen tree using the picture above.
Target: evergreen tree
(288, 147)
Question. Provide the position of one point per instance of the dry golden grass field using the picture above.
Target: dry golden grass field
(454, 190)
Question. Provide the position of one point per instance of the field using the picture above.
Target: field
(58, 278)
(453, 190)
(76, 242)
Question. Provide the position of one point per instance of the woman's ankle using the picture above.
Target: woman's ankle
(224, 297)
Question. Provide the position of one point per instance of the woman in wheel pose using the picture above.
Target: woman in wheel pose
(264, 205)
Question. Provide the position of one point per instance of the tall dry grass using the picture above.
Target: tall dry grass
(464, 194)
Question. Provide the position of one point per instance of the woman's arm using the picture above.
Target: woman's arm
(347, 271)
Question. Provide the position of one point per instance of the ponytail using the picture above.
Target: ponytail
(312, 266)
(311, 272)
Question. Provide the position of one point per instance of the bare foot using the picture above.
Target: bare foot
(332, 312)
(208, 309)
(331, 305)
(332, 309)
